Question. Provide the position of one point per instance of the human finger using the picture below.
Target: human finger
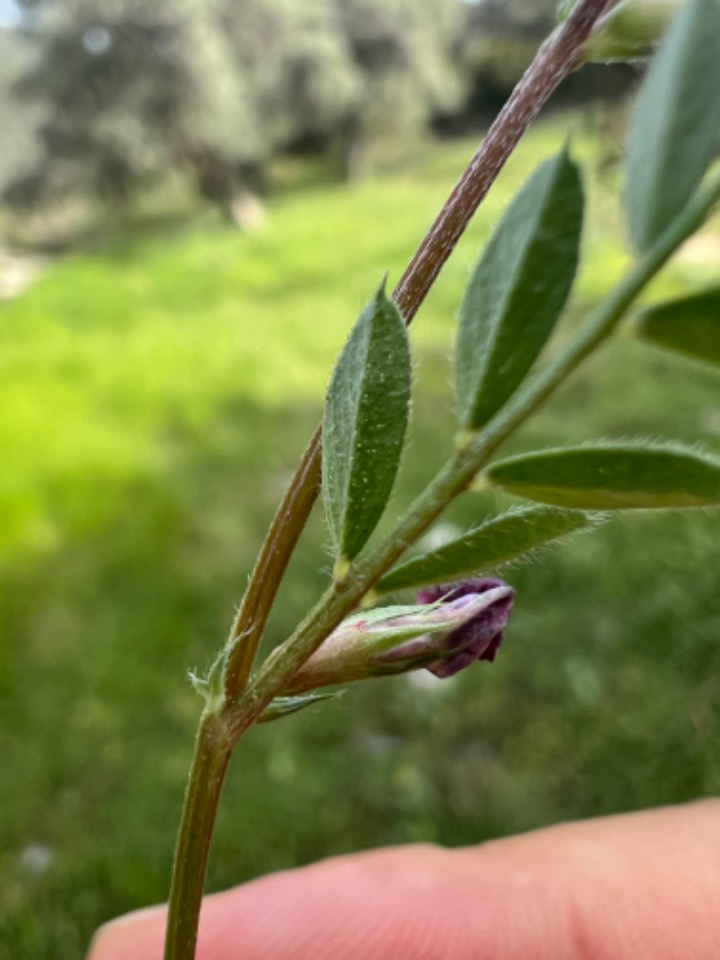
(631, 886)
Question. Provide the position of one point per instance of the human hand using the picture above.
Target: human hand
(643, 885)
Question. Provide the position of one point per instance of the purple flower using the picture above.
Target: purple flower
(480, 637)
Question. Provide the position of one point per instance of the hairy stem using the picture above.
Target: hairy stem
(282, 537)
(557, 57)
(213, 749)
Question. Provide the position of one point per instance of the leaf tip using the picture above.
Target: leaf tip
(381, 292)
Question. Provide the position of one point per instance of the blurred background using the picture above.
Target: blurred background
(197, 199)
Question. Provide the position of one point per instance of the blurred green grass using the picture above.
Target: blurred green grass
(155, 395)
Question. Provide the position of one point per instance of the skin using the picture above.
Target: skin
(643, 885)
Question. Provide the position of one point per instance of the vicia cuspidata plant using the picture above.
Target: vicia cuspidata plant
(513, 302)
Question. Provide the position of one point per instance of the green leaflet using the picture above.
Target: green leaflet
(518, 290)
(497, 541)
(689, 325)
(611, 477)
(366, 415)
(676, 122)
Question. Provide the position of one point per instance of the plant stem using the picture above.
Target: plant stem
(213, 749)
(556, 58)
(282, 537)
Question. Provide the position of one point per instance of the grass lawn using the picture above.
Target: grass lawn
(155, 395)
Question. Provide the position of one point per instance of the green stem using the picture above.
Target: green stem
(213, 749)
(557, 57)
(284, 532)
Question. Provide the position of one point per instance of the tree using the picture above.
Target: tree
(109, 95)
(20, 122)
(501, 38)
(405, 54)
(216, 89)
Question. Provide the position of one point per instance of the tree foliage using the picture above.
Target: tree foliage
(215, 89)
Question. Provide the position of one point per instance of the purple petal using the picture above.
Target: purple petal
(452, 591)
(481, 637)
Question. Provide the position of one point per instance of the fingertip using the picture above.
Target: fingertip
(138, 935)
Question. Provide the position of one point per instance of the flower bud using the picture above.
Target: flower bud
(630, 30)
(448, 629)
